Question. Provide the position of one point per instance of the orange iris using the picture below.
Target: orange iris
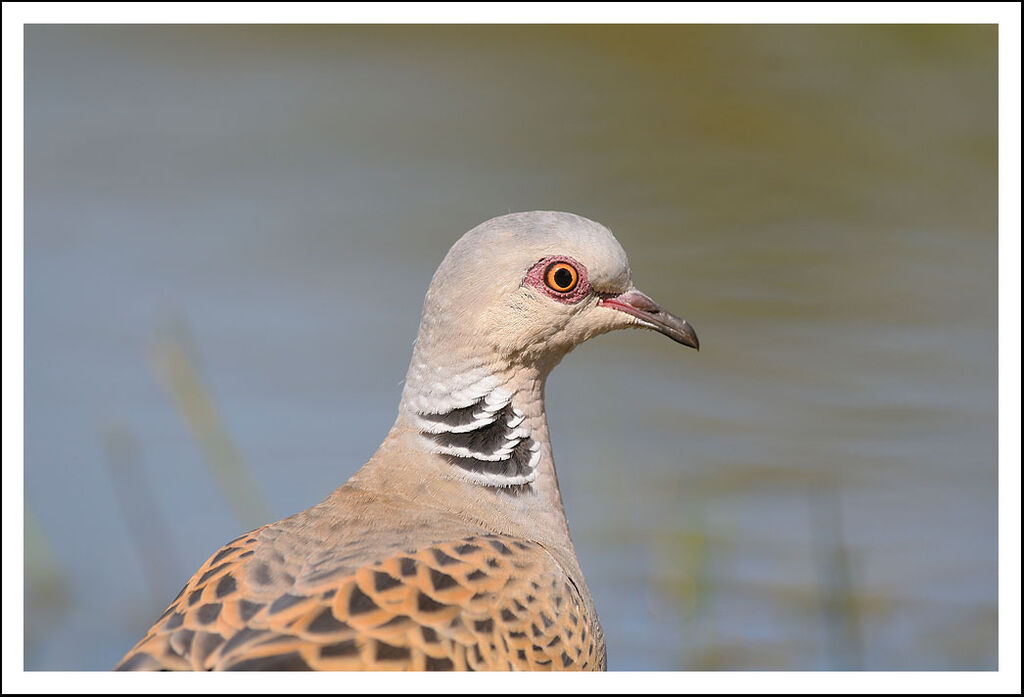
(561, 277)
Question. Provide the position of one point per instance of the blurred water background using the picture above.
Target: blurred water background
(229, 232)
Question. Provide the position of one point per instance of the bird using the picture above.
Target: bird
(449, 549)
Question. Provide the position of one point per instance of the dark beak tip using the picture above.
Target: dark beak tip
(690, 337)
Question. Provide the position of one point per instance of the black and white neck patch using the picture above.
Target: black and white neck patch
(486, 440)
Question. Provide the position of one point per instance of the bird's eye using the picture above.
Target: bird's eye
(561, 277)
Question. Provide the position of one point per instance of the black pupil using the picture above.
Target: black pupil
(563, 278)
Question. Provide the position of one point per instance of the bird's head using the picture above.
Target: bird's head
(527, 288)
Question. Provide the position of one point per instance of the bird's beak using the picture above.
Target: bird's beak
(653, 316)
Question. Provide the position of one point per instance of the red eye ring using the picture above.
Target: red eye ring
(561, 277)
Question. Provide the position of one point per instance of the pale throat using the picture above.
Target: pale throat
(487, 423)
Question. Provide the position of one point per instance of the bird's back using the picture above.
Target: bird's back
(342, 586)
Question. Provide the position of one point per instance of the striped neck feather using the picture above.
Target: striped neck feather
(485, 439)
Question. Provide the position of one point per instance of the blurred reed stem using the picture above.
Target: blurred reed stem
(46, 592)
(44, 580)
(839, 605)
(147, 527)
(177, 366)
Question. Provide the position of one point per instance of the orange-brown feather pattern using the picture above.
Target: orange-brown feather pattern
(484, 602)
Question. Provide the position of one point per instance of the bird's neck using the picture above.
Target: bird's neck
(473, 441)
